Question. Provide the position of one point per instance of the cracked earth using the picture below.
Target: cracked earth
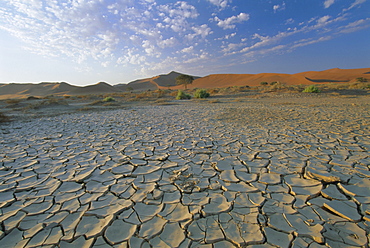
(249, 173)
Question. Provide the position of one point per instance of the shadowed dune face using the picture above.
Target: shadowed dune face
(166, 81)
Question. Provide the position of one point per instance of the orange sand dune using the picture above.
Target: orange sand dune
(305, 78)
(227, 80)
(336, 75)
(166, 81)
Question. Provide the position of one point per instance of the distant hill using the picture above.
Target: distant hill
(153, 83)
(165, 81)
(16, 90)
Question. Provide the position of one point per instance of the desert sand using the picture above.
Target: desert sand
(273, 170)
(168, 81)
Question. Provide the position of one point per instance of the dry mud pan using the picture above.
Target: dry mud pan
(283, 172)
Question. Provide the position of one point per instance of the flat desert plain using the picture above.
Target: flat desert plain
(280, 170)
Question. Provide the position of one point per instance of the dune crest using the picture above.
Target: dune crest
(168, 81)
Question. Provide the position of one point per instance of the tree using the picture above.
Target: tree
(185, 80)
(361, 79)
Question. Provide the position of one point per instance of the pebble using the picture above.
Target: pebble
(185, 176)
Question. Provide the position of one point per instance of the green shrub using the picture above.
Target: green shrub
(264, 83)
(201, 93)
(311, 89)
(109, 99)
(182, 95)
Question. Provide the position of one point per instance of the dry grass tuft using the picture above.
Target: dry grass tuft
(13, 101)
(214, 101)
(47, 103)
(111, 104)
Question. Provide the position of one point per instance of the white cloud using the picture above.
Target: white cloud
(354, 4)
(179, 9)
(175, 16)
(227, 36)
(279, 7)
(135, 33)
(289, 21)
(229, 23)
(167, 42)
(323, 20)
(306, 42)
(202, 31)
(232, 47)
(201, 57)
(189, 49)
(355, 26)
(328, 3)
(220, 3)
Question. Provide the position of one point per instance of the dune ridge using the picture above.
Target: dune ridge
(168, 81)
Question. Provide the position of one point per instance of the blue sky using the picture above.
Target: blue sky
(86, 41)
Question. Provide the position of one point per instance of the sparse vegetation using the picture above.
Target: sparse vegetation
(109, 99)
(182, 95)
(96, 103)
(110, 104)
(47, 103)
(264, 83)
(361, 79)
(201, 93)
(32, 98)
(311, 89)
(13, 101)
(275, 86)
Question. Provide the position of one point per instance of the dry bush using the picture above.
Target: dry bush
(111, 104)
(149, 94)
(276, 86)
(283, 103)
(224, 91)
(4, 118)
(96, 103)
(13, 101)
(30, 98)
(214, 101)
(143, 95)
(213, 91)
(359, 85)
(88, 97)
(163, 102)
(173, 93)
(239, 88)
(47, 103)
(85, 108)
(160, 93)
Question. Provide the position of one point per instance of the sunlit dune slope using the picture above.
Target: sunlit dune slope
(305, 78)
(168, 81)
